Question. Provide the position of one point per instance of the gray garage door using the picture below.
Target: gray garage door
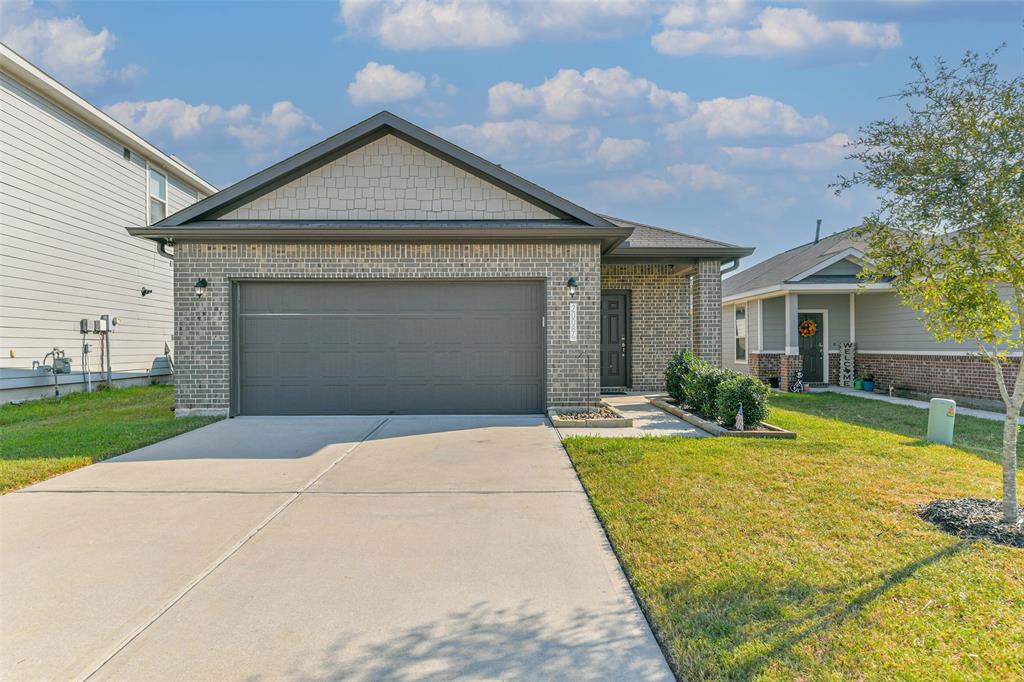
(412, 347)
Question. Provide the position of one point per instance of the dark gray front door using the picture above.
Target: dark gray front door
(410, 347)
(812, 348)
(614, 338)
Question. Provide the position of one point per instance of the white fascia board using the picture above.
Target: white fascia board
(850, 253)
(796, 288)
(27, 72)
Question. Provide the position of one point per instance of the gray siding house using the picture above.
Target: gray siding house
(386, 270)
(794, 310)
(73, 179)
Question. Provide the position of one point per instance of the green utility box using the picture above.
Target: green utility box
(941, 415)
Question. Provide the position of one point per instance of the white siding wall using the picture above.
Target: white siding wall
(66, 197)
(885, 324)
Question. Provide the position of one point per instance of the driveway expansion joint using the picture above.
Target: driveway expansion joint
(106, 658)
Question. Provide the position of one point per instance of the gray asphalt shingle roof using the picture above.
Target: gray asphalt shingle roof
(650, 237)
(788, 264)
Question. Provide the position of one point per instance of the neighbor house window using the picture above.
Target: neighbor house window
(157, 196)
(741, 333)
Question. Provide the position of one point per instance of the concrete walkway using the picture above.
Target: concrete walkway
(923, 404)
(320, 548)
(648, 420)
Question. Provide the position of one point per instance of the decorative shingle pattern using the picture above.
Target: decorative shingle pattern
(388, 179)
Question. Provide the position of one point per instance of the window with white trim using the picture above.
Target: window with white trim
(741, 333)
(157, 196)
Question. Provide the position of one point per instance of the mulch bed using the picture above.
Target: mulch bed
(597, 413)
(974, 518)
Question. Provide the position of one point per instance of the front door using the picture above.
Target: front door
(614, 338)
(812, 346)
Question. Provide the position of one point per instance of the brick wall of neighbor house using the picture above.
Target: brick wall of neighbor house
(660, 298)
(707, 310)
(764, 366)
(955, 376)
(788, 366)
(203, 326)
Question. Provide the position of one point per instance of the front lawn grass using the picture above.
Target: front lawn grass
(804, 559)
(42, 438)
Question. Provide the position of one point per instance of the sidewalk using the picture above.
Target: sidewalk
(648, 420)
(969, 411)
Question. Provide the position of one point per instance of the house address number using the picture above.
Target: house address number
(572, 321)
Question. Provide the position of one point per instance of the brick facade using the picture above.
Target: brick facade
(788, 367)
(954, 376)
(764, 366)
(707, 310)
(203, 325)
(660, 298)
(389, 179)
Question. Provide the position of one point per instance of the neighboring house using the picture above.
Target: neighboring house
(765, 306)
(386, 270)
(72, 180)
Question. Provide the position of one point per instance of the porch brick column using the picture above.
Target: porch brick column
(707, 310)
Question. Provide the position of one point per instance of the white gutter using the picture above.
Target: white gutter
(781, 289)
(17, 66)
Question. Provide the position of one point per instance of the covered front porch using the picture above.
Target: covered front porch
(661, 293)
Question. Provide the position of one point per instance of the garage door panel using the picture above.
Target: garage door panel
(390, 347)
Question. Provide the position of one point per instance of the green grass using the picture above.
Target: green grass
(775, 559)
(43, 438)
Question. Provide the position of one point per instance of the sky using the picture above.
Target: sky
(723, 119)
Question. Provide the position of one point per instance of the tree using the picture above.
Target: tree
(949, 228)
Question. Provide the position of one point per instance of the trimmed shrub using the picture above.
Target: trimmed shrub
(744, 390)
(678, 367)
(700, 386)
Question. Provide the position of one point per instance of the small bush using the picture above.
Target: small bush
(700, 386)
(742, 390)
(678, 367)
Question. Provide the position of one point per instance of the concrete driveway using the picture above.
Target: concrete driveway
(320, 548)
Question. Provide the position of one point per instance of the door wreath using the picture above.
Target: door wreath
(808, 328)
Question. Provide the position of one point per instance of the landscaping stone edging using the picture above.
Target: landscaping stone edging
(766, 431)
(622, 421)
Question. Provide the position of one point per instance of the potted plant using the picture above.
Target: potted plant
(858, 384)
(868, 380)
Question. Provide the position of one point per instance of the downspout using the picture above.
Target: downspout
(161, 248)
(735, 263)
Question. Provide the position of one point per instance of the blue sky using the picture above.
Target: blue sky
(724, 119)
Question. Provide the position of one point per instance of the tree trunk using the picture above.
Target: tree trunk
(1010, 512)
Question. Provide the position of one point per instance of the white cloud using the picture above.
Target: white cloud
(65, 47)
(806, 156)
(677, 178)
(746, 117)
(418, 24)
(525, 139)
(775, 31)
(570, 95)
(178, 117)
(376, 83)
(284, 121)
(614, 151)
(700, 177)
(634, 187)
(423, 24)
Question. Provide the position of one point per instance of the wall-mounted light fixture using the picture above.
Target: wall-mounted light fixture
(146, 292)
(571, 286)
(201, 285)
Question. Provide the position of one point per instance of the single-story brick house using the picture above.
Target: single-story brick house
(386, 270)
(770, 308)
